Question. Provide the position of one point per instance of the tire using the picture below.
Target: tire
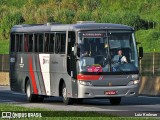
(30, 97)
(115, 101)
(66, 100)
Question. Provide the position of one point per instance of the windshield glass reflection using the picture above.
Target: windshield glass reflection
(112, 52)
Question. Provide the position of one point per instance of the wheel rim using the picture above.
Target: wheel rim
(28, 91)
(64, 93)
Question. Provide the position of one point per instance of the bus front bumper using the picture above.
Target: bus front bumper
(98, 91)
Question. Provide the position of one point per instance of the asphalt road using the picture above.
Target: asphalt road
(141, 103)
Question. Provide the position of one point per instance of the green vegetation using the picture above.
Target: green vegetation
(61, 115)
(4, 46)
(150, 40)
(142, 15)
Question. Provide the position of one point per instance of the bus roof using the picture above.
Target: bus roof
(70, 27)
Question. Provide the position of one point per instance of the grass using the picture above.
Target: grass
(150, 40)
(4, 46)
(61, 115)
(58, 114)
(142, 15)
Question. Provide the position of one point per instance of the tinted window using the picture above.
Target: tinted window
(60, 43)
(47, 41)
(30, 43)
(35, 42)
(41, 42)
(26, 42)
(13, 42)
(19, 42)
(51, 44)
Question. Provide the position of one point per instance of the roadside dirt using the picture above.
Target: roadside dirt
(4, 78)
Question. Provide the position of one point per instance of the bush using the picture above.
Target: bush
(8, 22)
(150, 40)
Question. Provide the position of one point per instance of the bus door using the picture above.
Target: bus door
(71, 62)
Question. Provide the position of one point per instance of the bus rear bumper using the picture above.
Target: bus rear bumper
(100, 92)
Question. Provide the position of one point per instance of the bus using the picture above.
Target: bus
(74, 61)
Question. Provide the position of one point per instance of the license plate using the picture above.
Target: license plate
(110, 92)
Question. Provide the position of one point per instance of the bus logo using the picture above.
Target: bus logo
(45, 61)
(12, 60)
(101, 78)
(21, 63)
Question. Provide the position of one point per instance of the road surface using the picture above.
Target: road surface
(141, 103)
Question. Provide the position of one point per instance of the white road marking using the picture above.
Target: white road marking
(100, 100)
(1, 100)
(149, 96)
(18, 93)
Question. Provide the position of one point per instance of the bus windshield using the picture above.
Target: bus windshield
(111, 51)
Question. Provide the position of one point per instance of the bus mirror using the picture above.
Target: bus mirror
(140, 52)
(74, 49)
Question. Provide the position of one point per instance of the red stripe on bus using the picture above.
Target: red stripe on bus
(35, 91)
(88, 77)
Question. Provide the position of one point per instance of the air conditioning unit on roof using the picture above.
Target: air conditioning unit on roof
(81, 22)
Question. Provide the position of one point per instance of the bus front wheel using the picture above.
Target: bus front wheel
(115, 100)
(66, 100)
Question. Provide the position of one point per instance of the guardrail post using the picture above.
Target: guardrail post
(153, 62)
(2, 62)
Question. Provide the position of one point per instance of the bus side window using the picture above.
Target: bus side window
(57, 45)
(40, 42)
(51, 44)
(60, 43)
(20, 43)
(12, 43)
(30, 42)
(63, 43)
(47, 38)
(35, 43)
(26, 42)
(17, 42)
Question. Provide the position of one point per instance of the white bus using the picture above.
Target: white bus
(74, 61)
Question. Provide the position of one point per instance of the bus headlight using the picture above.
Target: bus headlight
(86, 83)
(133, 82)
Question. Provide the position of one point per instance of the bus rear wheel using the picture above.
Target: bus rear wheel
(30, 97)
(115, 100)
(66, 100)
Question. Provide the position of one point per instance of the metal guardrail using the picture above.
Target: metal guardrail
(149, 68)
(149, 65)
(4, 63)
